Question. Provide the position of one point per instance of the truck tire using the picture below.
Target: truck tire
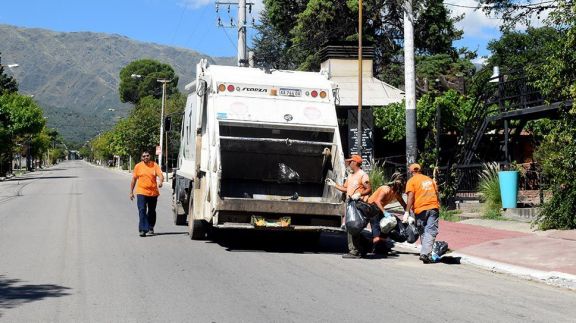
(198, 229)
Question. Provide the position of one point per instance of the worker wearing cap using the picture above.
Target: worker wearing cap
(357, 187)
(423, 199)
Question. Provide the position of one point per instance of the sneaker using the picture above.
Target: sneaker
(142, 233)
(151, 232)
(351, 256)
(425, 259)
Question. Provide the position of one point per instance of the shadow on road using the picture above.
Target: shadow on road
(13, 293)
(280, 242)
(168, 233)
(449, 260)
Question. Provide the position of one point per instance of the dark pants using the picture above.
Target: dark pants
(375, 217)
(357, 244)
(146, 211)
(427, 223)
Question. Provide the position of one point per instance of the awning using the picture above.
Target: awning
(374, 91)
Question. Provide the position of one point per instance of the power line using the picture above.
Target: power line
(179, 23)
(230, 39)
(515, 6)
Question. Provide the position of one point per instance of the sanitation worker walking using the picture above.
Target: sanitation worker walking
(144, 179)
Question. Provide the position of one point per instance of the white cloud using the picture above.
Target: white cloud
(475, 23)
(479, 60)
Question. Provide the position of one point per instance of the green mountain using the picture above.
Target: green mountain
(74, 76)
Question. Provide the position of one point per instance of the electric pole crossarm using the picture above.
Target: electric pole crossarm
(242, 5)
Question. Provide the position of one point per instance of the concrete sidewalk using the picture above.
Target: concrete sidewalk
(548, 256)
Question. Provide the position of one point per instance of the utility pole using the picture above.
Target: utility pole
(242, 6)
(164, 82)
(242, 61)
(410, 84)
(359, 125)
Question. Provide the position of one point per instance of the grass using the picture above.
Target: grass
(493, 214)
(449, 215)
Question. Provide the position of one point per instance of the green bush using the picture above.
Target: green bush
(557, 155)
(377, 177)
(489, 189)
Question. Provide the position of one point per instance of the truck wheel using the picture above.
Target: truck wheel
(197, 229)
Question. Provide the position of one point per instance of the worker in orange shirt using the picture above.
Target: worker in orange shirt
(383, 196)
(144, 179)
(357, 187)
(423, 199)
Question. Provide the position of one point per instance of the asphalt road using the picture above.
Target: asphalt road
(70, 252)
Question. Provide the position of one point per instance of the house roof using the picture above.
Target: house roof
(374, 91)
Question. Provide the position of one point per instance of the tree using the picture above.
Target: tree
(521, 50)
(558, 151)
(7, 83)
(516, 13)
(548, 57)
(140, 79)
(21, 120)
(293, 32)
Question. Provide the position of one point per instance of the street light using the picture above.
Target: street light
(160, 155)
(164, 82)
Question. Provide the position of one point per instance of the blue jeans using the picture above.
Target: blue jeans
(146, 211)
(427, 221)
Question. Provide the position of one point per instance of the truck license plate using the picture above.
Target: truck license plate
(290, 92)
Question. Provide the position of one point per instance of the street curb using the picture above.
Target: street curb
(553, 278)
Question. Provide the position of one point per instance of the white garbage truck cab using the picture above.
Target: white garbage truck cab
(256, 149)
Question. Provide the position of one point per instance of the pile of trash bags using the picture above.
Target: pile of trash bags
(398, 231)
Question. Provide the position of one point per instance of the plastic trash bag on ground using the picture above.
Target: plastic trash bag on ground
(404, 232)
(388, 223)
(439, 248)
(354, 220)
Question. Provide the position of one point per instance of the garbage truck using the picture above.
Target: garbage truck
(256, 149)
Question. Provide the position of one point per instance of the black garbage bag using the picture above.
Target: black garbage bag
(366, 209)
(404, 232)
(287, 174)
(412, 233)
(398, 234)
(439, 248)
(354, 220)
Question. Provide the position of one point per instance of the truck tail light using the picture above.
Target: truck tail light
(314, 93)
(230, 88)
(323, 94)
(221, 88)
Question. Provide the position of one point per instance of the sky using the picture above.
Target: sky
(188, 24)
